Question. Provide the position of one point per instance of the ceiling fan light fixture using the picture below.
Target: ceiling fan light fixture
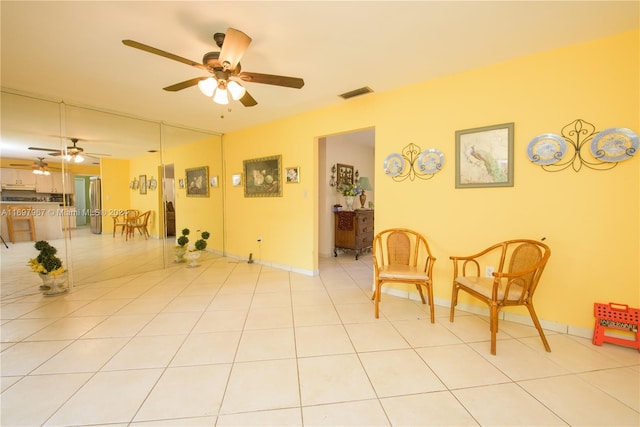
(221, 96)
(78, 158)
(236, 90)
(207, 86)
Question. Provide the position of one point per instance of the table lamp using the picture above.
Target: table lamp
(364, 184)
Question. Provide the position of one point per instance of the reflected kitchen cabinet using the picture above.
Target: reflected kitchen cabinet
(54, 184)
(17, 177)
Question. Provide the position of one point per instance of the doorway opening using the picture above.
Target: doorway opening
(355, 148)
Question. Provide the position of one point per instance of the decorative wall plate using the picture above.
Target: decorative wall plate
(394, 164)
(430, 160)
(546, 149)
(614, 144)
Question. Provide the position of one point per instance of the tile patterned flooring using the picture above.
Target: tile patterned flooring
(231, 343)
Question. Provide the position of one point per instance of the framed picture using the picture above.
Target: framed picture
(214, 181)
(263, 177)
(484, 157)
(143, 184)
(293, 175)
(181, 183)
(345, 175)
(197, 182)
(236, 180)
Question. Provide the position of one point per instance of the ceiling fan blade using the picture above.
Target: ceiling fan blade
(97, 154)
(150, 49)
(17, 164)
(270, 79)
(185, 84)
(247, 100)
(50, 150)
(235, 44)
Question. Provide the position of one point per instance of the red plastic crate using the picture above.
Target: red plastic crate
(616, 316)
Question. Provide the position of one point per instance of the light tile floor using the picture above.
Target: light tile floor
(231, 343)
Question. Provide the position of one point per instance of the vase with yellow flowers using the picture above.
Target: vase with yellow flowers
(49, 268)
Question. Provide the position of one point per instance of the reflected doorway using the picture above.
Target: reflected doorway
(168, 191)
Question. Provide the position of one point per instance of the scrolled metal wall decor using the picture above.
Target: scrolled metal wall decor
(606, 148)
(413, 163)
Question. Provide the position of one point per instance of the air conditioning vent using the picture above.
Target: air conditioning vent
(356, 92)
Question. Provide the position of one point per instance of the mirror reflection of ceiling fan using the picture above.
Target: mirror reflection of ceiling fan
(39, 167)
(71, 153)
(224, 66)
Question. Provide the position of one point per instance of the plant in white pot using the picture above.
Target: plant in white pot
(49, 268)
(193, 251)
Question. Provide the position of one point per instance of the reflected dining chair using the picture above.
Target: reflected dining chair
(140, 223)
(518, 266)
(401, 255)
(123, 219)
(119, 220)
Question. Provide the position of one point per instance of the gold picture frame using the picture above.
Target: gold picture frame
(143, 184)
(263, 177)
(197, 182)
(292, 175)
(484, 156)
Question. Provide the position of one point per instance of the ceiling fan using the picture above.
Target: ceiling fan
(225, 69)
(39, 167)
(71, 153)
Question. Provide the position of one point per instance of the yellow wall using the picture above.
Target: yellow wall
(151, 201)
(589, 218)
(115, 189)
(195, 213)
(199, 213)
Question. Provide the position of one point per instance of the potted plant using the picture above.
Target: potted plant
(193, 251)
(49, 268)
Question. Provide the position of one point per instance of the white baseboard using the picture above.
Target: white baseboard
(274, 265)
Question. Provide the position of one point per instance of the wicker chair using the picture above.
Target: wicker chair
(123, 220)
(140, 223)
(401, 255)
(519, 265)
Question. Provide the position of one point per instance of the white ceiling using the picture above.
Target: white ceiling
(72, 52)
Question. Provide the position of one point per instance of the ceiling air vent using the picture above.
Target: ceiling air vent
(356, 92)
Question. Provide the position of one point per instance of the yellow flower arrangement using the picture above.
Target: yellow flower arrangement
(46, 262)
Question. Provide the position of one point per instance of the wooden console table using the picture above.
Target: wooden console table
(353, 230)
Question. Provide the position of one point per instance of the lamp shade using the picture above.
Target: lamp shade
(364, 183)
(207, 86)
(220, 97)
(236, 90)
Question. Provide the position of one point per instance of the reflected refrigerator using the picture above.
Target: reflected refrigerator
(95, 206)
